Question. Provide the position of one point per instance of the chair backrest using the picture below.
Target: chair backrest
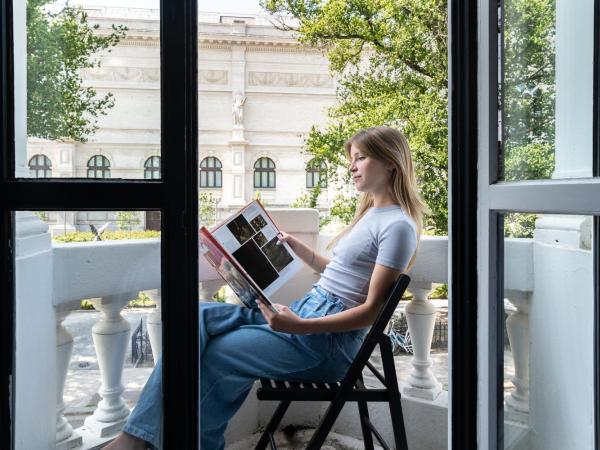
(376, 334)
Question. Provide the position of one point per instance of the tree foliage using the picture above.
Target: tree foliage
(390, 60)
(59, 46)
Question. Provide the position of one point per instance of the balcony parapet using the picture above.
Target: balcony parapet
(109, 270)
(104, 268)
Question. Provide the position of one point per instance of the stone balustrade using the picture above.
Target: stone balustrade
(113, 272)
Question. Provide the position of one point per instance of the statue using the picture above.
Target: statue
(237, 110)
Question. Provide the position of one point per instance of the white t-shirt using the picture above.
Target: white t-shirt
(385, 236)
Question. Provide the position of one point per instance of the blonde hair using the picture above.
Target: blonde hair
(389, 146)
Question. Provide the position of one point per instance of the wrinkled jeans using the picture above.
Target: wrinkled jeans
(237, 347)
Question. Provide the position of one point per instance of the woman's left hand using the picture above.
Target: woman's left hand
(284, 320)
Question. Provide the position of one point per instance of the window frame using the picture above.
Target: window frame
(264, 170)
(211, 169)
(312, 172)
(175, 195)
(495, 198)
(104, 169)
(37, 167)
(152, 169)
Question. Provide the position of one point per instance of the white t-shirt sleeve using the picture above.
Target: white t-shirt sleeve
(397, 243)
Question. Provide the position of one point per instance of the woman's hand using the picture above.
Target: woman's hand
(286, 237)
(284, 320)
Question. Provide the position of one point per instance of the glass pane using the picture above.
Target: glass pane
(92, 83)
(88, 323)
(211, 179)
(203, 182)
(548, 380)
(219, 181)
(547, 92)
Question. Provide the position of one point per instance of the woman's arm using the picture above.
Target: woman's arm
(382, 280)
(308, 255)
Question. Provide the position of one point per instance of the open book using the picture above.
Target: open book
(245, 251)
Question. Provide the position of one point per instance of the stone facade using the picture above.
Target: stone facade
(283, 89)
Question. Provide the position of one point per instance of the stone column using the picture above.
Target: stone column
(34, 388)
(154, 324)
(238, 143)
(517, 327)
(111, 337)
(65, 437)
(421, 315)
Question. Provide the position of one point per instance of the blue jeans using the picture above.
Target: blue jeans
(237, 347)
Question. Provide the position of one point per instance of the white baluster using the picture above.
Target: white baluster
(154, 324)
(65, 437)
(421, 315)
(111, 336)
(517, 327)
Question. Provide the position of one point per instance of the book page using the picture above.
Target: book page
(227, 268)
(251, 237)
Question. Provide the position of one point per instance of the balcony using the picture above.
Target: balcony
(113, 272)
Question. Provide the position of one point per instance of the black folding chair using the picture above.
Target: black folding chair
(350, 389)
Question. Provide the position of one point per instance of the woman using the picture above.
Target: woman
(317, 337)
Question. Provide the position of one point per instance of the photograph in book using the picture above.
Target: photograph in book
(277, 254)
(249, 236)
(227, 268)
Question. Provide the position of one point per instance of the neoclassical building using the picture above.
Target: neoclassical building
(259, 93)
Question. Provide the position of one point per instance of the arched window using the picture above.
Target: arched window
(98, 167)
(152, 168)
(316, 173)
(210, 173)
(264, 173)
(40, 166)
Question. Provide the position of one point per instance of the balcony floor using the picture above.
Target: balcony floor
(298, 439)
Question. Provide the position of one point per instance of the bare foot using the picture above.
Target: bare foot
(126, 441)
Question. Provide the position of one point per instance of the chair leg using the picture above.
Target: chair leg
(387, 359)
(320, 434)
(363, 412)
(272, 426)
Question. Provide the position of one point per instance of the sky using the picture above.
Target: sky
(224, 6)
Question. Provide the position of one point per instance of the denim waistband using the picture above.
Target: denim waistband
(328, 296)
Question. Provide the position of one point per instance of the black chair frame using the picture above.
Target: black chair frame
(350, 389)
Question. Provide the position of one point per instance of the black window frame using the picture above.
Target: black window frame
(104, 169)
(175, 195)
(151, 168)
(463, 182)
(40, 167)
(259, 169)
(216, 168)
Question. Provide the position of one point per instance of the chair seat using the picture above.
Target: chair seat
(310, 392)
(350, 389)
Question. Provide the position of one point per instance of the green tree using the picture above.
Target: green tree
(207, 209)
(390, 59)
(529, 79)
(59, 46)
